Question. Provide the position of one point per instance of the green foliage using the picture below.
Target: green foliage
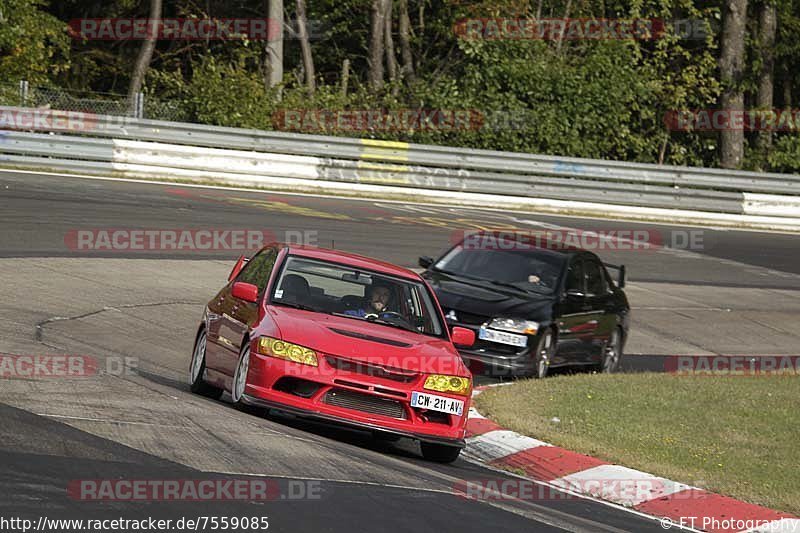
(785, 155)
(227, 95)
(598, 99)
(34, 45)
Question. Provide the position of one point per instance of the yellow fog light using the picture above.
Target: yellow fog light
(287, 350)
(452, 384)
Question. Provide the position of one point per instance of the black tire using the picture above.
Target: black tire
(439, 453)
(545, 348)
(612, 354)
(197, 368)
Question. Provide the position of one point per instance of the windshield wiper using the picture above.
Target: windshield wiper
(391, 324)
(378, 321)
(510, 285)
(485, 280)
(296, 305)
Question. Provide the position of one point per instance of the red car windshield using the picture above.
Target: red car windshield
(337, 289)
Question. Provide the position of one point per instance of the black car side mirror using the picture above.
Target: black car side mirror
(425, 261)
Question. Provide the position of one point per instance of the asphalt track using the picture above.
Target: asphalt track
(737, 293)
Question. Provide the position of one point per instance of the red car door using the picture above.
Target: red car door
(238, 315)
(216, 341)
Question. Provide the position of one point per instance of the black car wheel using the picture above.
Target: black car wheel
(198, 368)
(612, 354)
(543, 355)
(439, 453)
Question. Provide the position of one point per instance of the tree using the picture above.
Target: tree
(405, 42)
(767, 24)
(376, 40)
(391, 60)
(145, 54)
(731, 63)
(274, 59)
(305, 45)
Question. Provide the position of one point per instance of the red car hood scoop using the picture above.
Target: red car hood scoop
(364, 336)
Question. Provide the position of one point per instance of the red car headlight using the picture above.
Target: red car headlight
(452, 384)
(287, 351)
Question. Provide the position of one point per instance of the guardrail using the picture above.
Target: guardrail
(146, 148)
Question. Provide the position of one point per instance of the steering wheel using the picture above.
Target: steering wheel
(387, 314)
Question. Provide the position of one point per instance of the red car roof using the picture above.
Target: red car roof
(354, 260)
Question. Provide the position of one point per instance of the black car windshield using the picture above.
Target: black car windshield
(344, 291)
(532, 270)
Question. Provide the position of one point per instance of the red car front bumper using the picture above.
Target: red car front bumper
(361, 395)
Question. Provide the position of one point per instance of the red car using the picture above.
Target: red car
(337, 337)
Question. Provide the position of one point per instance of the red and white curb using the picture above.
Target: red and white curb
(674, 503)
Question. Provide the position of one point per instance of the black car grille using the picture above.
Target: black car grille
(472, 320)
(496, 348)
(369, 369)
(366, 403)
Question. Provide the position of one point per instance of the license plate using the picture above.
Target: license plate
(433, 402)
(503, 337)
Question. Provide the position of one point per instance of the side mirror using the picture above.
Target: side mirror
(576, 294)
(237, 267)
(425, 261)
(245, 291)
(463, 337)
(621, 282)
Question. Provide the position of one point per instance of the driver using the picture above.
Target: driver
(376, 301)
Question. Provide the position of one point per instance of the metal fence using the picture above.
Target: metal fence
(24, 94)
(176, 150)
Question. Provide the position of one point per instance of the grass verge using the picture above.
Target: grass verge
(731, 435)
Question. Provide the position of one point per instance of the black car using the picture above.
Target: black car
(532, 307)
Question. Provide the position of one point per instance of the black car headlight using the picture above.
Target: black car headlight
(514, 325)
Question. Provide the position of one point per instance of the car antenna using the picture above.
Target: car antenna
(333, 244)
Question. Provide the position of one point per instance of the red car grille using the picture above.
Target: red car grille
(366, 403)
(369, 369)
